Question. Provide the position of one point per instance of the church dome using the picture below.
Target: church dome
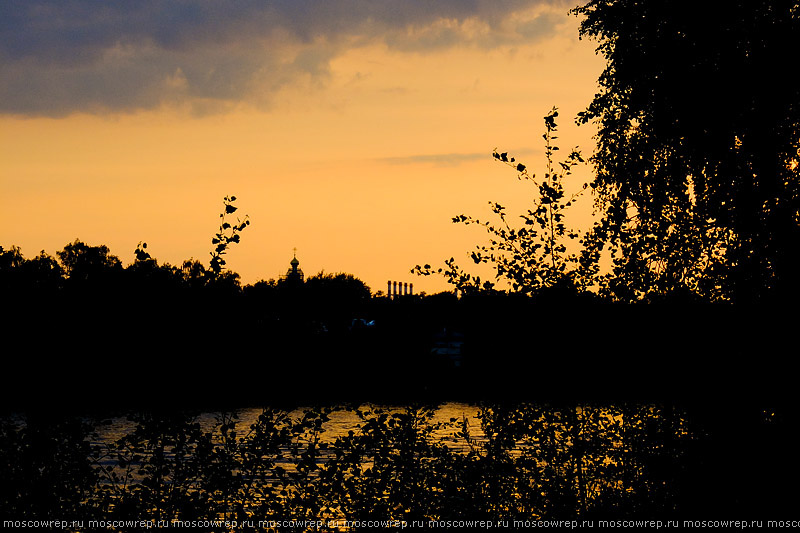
(294, 274)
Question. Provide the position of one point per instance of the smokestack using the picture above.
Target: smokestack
(389, 289)
(410, 288)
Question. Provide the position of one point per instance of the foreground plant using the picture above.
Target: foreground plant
(535, 255)
(228, 234)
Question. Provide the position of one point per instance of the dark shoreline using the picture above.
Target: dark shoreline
(599, 353)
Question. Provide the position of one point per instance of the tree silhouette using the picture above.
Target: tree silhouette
(697, 155)
(84, 263)
(42, 273)
(10, 259)
(338, 287)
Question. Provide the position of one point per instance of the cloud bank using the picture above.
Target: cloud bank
(63, 56)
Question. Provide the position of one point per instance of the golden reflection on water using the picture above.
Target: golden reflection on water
(523, 460)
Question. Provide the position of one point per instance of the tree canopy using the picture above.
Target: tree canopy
(82, 262)
(697, 154)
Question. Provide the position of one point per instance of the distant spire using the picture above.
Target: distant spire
(295, 274)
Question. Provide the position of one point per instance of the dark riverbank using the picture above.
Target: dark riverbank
(230, 351)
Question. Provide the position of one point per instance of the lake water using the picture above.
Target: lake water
(340, 422)
(549, 443)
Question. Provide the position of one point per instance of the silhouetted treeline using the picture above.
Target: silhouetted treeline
(84, 327)
(86, 330)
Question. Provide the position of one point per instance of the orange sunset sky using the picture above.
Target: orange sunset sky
(353, 130)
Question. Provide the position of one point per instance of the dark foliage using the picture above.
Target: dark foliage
(697, 155)
(530, 257)
(525, 462)
(228, 234)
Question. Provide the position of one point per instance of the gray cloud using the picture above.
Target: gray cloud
(62, 56)
(437, 159)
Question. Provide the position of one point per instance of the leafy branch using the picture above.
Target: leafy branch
(141, 254)
(228, 234)
(534, 256)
